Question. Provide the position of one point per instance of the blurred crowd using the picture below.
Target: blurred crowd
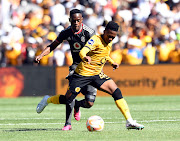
(149, 30)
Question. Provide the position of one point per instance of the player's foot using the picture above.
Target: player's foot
(134, 125)
(42, 104)
(77, 115)
(66, 128)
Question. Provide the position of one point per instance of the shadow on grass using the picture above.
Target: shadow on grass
(28, 129)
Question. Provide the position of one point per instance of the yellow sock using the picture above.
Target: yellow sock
(123, 107)
(53, 99)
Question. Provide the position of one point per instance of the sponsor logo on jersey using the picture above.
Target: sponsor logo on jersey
(77, 45)
(75, 50)
(91, 42)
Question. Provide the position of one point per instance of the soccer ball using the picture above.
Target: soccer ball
(95, 123)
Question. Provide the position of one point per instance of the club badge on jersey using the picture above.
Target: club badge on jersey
(83, 39)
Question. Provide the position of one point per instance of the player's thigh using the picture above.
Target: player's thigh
(78, 82)
(68, 93)
(109, 86)
(105, 83)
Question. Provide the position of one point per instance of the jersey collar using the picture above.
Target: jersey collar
(78, 31)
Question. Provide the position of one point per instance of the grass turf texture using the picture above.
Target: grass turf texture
(159, 114)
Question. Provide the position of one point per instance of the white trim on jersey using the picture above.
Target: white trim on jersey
(85, 27)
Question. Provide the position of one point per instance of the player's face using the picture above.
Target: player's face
(109, 35)
(76, 21)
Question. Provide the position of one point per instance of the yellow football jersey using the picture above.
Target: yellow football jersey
(99, 52)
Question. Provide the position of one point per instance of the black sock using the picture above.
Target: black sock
(70, 102)
(81, 103)
(69, 109)
(62, 99)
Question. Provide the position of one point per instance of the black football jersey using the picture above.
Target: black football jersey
(76, 40)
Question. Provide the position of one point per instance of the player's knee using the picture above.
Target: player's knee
(89, 104)
(90, 98)
(117, 94)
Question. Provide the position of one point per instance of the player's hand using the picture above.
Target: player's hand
(37, 58)
(87, 59)
(115, 66)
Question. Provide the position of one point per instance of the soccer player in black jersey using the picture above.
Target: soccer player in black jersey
(77, 35)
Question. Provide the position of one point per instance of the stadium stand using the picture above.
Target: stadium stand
(149, 29)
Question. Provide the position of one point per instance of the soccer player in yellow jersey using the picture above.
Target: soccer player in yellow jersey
(94, 55)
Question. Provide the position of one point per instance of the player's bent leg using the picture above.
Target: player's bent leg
(123, 107)
(90, 95)
(121, 103)
(42, 104)
(83, 103)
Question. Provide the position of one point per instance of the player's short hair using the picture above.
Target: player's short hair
(74, 11)
(112, 26)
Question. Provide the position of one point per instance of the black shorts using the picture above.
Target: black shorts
(79, 82)
(87, 90)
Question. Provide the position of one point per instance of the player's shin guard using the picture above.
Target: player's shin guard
(121, 104)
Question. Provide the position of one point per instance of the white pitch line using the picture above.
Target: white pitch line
(28, 118)
(43, 118)
(147, 121)
(29, 123)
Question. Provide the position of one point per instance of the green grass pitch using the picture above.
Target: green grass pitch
(159, 114)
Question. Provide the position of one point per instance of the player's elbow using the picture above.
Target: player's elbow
(81, 54)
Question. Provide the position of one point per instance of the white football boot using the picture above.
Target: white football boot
(42, 104)
(132, 124)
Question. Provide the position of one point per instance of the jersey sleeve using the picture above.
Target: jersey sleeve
(93, 33)
(90, 45)
(110, 61)
(62, 36)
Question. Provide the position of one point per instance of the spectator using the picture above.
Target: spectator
(57, 12)
(26, 25)
(116, 53)
(133, 55)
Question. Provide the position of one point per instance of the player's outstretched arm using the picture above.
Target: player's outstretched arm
(46, 51)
